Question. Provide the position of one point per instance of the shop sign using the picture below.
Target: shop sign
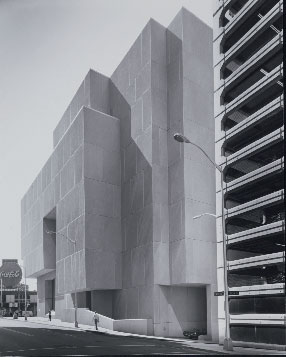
(10, 298)
(10, 273)
(13, 304)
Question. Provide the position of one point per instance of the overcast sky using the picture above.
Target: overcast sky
(46, 49)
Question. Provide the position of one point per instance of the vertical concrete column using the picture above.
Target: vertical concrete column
(159, 94)
(176, 151)
(212, 311)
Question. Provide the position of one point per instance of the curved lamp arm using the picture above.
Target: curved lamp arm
(183, 139)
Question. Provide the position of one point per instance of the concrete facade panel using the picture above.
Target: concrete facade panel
(176, 181)
(101, 129)
(105, 277)
(134, 59)
(129, 161)
(148, 186)
(132, 309)
(136, 193)
(102, 233)
(178, 261)
(146, 296)
(146, 44)
(161, 264)
(159, 105)
(126, 270)
(137, 116)
(144, 150)
(138, 266)
(143, 81)
(158, 42)
(102, 199)
(99, 92)
(131, 231)
(144, 226)
(147, 109)
(160, 146)
(194, 106)
(119, 303)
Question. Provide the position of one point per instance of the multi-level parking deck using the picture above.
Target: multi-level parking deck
(249, 101)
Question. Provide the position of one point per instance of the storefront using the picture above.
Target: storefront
(13, 300)
(12, 292)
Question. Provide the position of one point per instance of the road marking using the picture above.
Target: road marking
(21, 333)
(137, 346)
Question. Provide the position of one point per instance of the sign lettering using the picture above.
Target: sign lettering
(10, 274)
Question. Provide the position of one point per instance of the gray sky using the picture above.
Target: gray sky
(46, 49)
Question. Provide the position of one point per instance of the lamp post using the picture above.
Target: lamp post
(25, 283)
(227, 345)
(75, 290)
(1, 285)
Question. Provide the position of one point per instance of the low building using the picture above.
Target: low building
(12, 292)
(14, 300)
(121, 193)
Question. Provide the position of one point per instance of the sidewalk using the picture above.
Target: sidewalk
(204, 345)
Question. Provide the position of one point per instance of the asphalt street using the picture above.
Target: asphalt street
(20, 338)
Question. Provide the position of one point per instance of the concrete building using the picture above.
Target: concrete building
(119, 185)
(248, 76)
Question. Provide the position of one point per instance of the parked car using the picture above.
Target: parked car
(194, 333)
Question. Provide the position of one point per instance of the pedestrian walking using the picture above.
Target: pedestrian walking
(95, 319)
(50, 315)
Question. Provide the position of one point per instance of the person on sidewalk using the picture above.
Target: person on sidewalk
(50, 315)
(95, 319)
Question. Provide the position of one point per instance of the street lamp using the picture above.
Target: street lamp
(227, 345)
(75, 290)
(22, 266)
(1, 292)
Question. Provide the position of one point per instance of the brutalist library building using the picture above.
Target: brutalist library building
(125, 191)
(120, 194)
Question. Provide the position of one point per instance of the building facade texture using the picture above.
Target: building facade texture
(125, 191)
(248, 102)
